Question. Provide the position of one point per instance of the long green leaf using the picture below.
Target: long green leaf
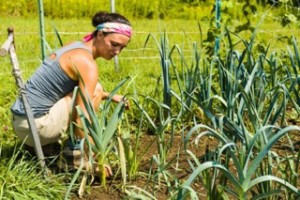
(255, 163)
(112, 124)
(205, 166)
(273, 178)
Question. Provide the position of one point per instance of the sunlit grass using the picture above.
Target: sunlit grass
(21, 178)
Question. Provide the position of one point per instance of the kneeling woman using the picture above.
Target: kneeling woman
(49, 89)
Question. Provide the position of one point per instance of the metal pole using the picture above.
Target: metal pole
(218, 18)
(112, 10)
(112, 6)
(42, 28)
(8, 46)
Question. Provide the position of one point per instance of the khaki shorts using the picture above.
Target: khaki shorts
(50, 127)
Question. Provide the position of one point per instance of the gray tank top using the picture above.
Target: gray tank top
(48, 84)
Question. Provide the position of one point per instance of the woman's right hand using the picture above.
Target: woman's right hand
(118, 98)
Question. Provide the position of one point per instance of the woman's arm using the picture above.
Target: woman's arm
(117, 98)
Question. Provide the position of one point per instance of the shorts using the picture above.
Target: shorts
(50, 127)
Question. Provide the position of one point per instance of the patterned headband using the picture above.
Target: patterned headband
(111, 27)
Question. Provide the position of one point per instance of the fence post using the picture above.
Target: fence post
(42, 28)
(8, 46)
(218, 18)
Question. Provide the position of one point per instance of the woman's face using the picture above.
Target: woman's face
(109, 45)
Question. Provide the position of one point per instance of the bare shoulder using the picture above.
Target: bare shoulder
(79, 61)
(82, 56)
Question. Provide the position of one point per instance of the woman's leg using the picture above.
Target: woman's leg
(50, 127)
(54, 124)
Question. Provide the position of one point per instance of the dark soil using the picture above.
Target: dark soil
(179, 167)
(175, 153)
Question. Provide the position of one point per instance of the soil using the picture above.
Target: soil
(205, 147)
(113, 191)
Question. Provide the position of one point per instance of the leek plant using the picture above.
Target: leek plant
(134, 192)
(164, 52)
(292, 75)
(133, 153)
(247, 112)
(248, 166)
(101, 129)
(246, 97)
(288, 168)
(163, 144)
(187, 79)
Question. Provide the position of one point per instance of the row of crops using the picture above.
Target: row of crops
(229, 114)
(243, 100)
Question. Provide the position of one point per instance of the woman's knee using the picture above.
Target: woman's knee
(98, 95)
(98, 91)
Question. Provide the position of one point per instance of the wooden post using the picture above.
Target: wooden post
(8, 46)
(5, 47)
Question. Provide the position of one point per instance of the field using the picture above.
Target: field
(226, 125)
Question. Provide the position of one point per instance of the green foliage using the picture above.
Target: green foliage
(164, 53)
(150, 9)
(21, 178)
(247, 111)
(18, 8)
(240, 96)
(250, 167)
(100, 132)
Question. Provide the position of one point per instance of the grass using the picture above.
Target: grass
(22, 178)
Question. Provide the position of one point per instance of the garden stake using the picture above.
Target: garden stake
(218, 18)
(5, 47)
(8, 46)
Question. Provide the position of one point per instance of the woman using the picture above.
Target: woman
(49, 90)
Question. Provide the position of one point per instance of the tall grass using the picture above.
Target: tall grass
(22, 178)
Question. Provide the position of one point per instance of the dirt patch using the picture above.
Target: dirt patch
(178, 167)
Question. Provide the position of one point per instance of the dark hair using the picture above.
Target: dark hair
(103, 16)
